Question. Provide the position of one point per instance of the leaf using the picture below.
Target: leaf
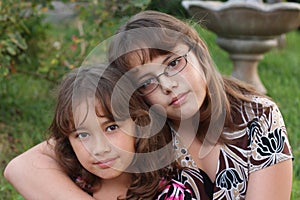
(21, 23)
(3, 71)
(11, 50)
(3, 18)
(141, 3)
(12, 19)
(18, 40)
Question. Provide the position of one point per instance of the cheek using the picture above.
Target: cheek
(196, 68)
(80, 151)
(124, 141)
(153, 98)
(199, 88)
(197, 82)
(196, 78)
(127, 145)
(126, 151)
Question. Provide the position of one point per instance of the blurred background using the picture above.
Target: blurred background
(42, 40)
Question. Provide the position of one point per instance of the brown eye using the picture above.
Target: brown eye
(175, 66)
(174, 63)
(112, 128)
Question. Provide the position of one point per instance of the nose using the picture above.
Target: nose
(100, 145)
(167, 83)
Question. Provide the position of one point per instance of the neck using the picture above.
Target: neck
(114, 188)
(185, 125)
(186, 130)
(123, 180)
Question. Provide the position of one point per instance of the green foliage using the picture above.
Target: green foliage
(21, 28)
(48, 54)
(25, 110)
(24, 34)
(95, 21)
(173, 7)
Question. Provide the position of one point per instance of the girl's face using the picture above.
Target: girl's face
(103, 147)
(182, 94)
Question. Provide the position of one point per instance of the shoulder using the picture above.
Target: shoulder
(257, 114)
(267, 136)
(261, 110)
(260, 102)
(264, 140)
(264, 114)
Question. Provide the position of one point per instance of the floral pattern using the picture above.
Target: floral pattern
(262, 143)
(177, 191)
(228, 179)
(272, 144)
(187, 184)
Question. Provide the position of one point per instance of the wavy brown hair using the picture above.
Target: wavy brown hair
(101, 82)
(150, 34)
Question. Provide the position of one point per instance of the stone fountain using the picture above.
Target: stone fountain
(246, 29)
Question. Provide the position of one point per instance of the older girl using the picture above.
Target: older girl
(224, 128)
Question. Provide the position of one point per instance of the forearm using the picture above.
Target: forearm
(36, 175)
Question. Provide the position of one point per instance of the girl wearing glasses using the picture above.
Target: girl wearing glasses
(222, 128)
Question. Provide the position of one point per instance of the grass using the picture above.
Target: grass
(26, 104)
(25, 110)
(279, 71)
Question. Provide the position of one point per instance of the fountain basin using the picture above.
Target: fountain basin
(246, 30)
(240, 18)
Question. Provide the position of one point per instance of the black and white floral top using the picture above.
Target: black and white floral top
(262, 143)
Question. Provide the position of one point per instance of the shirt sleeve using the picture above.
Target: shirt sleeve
(268, 138)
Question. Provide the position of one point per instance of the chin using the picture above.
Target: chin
(110, 175)
(190, 113)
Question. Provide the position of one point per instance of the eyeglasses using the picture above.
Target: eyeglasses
(173, 67)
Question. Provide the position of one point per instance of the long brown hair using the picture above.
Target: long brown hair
(150, 34)
(99, 82)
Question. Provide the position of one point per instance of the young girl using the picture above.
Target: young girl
(95, 138)
(103, 140)
(224, 130)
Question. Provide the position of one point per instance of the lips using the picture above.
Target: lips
(104, 164)
(178, 100)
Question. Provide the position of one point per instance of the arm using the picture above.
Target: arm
(271, 173)
(274, 182)
(36, 175)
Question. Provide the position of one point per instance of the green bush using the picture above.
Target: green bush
(24, 38)
(173, 7)
(94, 22)
(21, 27)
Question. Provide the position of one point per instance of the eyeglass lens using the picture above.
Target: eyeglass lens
(174, 67)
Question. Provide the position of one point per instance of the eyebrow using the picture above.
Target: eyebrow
(79, 129)
(167, 58)
(170, 54)
(107, 119)
(83, 127)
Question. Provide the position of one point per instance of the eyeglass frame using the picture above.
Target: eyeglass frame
(156, 78)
